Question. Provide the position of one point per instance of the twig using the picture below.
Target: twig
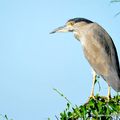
(56, 117)
(113, 1)
(62, 96)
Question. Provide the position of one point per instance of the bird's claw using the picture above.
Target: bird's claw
(107, 98)
(91, 97)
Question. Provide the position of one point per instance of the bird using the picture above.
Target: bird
(99, 50)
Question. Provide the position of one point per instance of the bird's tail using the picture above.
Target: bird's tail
(114, 81)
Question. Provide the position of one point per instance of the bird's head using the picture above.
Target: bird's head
(72, 25)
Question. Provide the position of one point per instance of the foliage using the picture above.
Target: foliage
(98, 108)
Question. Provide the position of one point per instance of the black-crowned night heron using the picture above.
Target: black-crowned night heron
(98, 48)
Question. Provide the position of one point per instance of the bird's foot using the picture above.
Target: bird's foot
(91, 97)
(109, 97)
(106, 98)
(98, 98)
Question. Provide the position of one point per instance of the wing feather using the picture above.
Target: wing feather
(101, 53)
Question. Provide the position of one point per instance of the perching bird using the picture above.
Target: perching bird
(98, 49)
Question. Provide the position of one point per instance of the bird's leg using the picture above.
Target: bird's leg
(108, 95)
(93, 84)
(109, 92)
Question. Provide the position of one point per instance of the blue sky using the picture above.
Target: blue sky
(33, 62)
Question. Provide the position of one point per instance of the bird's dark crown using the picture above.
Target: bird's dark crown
(75, 20)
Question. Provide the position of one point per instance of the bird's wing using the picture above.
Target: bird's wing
(100, 51)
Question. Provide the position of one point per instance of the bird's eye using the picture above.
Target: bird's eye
(70, 23)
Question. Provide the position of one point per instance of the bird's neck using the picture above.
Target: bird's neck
(76, 35)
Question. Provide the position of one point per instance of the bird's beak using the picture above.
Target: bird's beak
(60, 29)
